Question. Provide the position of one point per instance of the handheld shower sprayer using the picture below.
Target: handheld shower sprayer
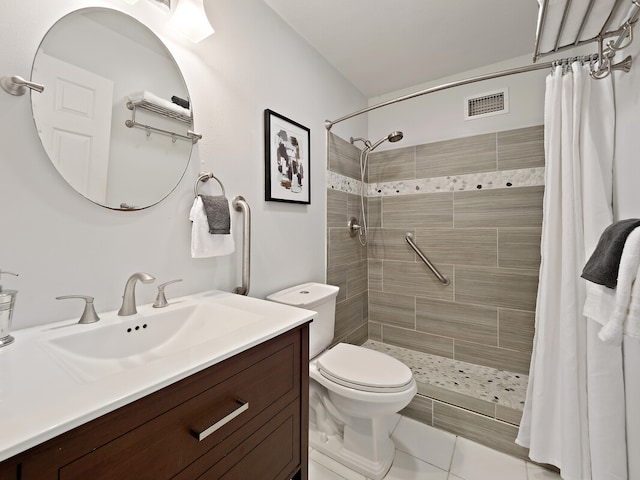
(392, 137)
(354, 228)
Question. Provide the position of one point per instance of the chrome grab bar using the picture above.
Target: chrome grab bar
(441, 278)
(240, 204)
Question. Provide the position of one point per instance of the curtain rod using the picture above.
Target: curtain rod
(530, 68)
(623, 65)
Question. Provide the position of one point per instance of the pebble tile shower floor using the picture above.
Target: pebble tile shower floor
(485, 383)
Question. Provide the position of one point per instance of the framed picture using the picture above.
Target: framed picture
(287, 160)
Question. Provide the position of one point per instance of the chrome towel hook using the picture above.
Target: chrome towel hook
(17, 86)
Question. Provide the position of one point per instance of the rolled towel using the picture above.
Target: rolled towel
(180, 101)
(603, 265)
(216, 207)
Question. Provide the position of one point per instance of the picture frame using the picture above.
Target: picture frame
(287, 159)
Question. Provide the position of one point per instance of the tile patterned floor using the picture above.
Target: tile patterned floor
(426, 453)
(485, 383)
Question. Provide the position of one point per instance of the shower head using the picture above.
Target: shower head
(392, 137)
(395, 136)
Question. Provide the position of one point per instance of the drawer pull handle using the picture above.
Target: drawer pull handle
(244, 406)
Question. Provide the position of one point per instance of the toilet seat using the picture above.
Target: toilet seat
(364, 369)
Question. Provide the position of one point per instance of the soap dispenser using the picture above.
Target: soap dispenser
(7, 301)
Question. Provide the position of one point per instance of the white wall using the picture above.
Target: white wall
(62, 244)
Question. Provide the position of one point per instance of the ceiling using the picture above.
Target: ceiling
(386, 45)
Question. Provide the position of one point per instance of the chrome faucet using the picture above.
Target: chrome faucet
(129, 298)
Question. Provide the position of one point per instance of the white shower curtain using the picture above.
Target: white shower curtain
(568, 420)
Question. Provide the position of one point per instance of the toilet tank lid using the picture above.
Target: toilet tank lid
(306, 295)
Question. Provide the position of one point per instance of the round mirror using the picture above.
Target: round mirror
(115, 116)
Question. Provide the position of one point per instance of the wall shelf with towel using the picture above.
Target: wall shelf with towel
(159, 108)
(569, 24)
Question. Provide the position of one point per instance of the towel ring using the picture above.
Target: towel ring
(204, 177)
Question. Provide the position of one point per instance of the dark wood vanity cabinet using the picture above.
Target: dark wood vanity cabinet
(156, 437)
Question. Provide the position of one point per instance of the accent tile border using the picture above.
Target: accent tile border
(524, 177)
(342, 183)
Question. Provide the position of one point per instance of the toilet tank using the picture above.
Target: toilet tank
(320, 298)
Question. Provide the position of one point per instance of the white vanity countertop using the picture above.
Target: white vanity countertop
(44, 393)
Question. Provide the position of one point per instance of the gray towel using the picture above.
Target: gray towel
(217, 210)
(602, 268)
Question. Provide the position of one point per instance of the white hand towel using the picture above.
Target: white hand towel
(629, 264)
(599, 302)
(204, 244)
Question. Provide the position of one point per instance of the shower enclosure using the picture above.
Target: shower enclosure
(485, 318)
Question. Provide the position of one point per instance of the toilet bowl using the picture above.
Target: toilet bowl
(353, 390)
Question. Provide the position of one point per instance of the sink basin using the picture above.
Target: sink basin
(59, 375)
(117, 343)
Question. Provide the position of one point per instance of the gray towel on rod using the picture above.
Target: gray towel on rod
(216, 208)
(603, 266)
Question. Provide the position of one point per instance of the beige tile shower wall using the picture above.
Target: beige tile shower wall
(346, 259)
(487, 241)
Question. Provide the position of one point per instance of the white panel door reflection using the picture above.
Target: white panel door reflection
(74, 123)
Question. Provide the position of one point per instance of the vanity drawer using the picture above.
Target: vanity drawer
(165, 445)
(271, 452)
(156, 436)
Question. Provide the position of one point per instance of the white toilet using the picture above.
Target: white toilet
(353, 390)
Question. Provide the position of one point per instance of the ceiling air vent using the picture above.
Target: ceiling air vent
(487, 104)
